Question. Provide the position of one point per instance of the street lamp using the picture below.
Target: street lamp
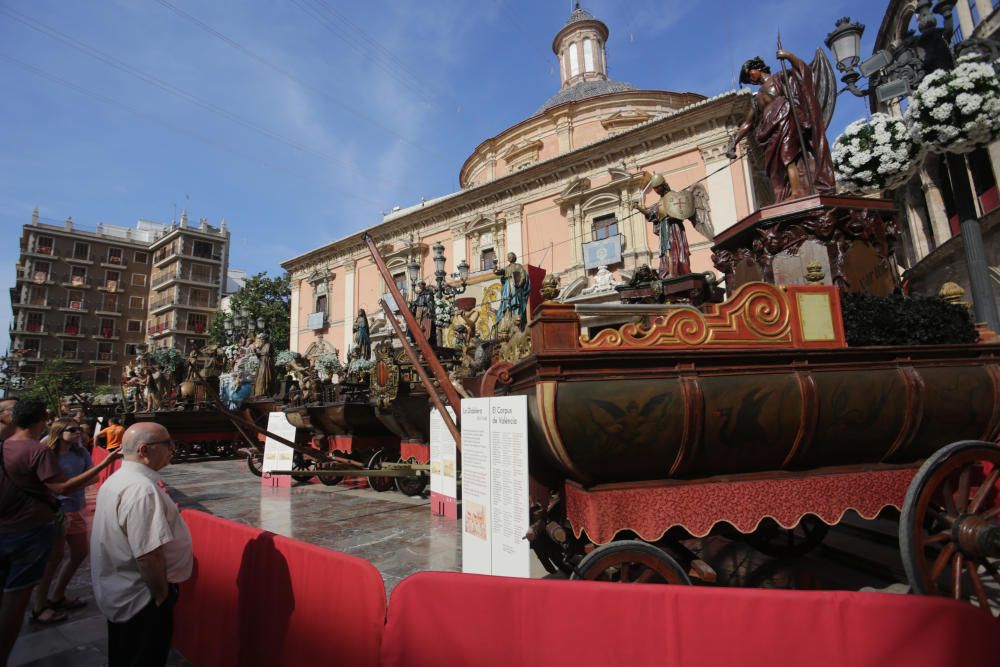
(413, 271)
(899, 71)
(260, 322)
(440, 275)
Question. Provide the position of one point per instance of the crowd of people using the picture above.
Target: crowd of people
(139, 547)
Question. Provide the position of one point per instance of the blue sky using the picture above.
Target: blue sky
(300, 121)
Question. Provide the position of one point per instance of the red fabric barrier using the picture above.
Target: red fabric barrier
(98, 454)
(438, 618)
(256, 598)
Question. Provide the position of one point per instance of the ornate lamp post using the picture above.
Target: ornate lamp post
(894, 74)
(440, 274)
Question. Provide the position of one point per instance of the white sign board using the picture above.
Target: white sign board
(444, 482)
(276, 455)
(495, 486)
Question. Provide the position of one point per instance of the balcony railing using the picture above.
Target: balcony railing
(28, 328)
(75, 305)
(112, 260)
(107, 332)
(109, 308)
(80, 257)
(185, 301)
(111, 286)
(69, 355)
(70, 330)
(47, 250)
(76, 281)
(185, 274)
(105, 357)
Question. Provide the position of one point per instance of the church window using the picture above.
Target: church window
(400, 280)
(588, 55)
(574, 60)
(605, 226)
(488, 260)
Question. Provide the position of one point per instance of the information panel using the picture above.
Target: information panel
(495, 486)
(444, 471)
(276, 455)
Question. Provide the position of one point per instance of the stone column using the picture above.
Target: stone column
(721, 196)
(515, 241)
(295, 319)
(915, 221)
(564, 130)
(935, 203)
(577, 230)
(349, 306)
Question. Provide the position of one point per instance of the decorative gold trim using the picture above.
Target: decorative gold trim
(757, 315)
(545, 397)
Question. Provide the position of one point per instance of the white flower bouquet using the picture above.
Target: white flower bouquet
(284, 358)
(875, 154)
(954, 111)
(444, 312)
(328, 364)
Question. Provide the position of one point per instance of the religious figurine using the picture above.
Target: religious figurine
(788, 119)
(362, 337)
(675, 255)
(423, 309)
(262, 382)
(515, 290)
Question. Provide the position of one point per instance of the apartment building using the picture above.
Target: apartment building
(188, 280)
(86, 295)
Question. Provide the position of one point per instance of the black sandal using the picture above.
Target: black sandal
(56, 617)
(67, 604)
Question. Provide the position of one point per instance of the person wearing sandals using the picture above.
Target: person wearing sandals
(30, 515)
(65, 438)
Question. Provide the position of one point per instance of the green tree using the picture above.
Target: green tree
(55, 380)
(261, 296)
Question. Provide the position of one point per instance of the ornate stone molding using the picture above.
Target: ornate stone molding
(522, 154)
(624, 120)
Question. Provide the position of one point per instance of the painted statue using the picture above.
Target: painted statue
(265, 371)
(362, 335)
(423, 309)
(788, 120)
(675, 254)
(516, 286)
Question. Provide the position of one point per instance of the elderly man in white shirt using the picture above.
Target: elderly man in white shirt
(140, 549)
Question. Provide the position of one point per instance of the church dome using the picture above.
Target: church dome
(584, 89)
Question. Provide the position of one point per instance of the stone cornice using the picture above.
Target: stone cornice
(682, 128)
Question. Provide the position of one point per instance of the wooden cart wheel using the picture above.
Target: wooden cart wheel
(329, 480)
(949, 530)
(411, 486)
(255, 462)
(380, 484)
(779, 542)
(633, 562)
(299, 463)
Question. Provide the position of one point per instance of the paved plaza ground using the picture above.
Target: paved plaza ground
(399, 536)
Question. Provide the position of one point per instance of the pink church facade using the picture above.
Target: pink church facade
(543, 189)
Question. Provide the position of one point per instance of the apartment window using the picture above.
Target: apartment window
(141, 257)
(488, 260)
(78, 276)
(588, 55)
(112, 279)
(70, 348)
(74, 299)
(109, 303)
(40, 271)
(198, 298)
(38, 296)
(131, 349)
(402, 284)
(202, 249)
(136, 303)
(102, 375)
(201, 273)
(138, 280)
(605, 226)
(105, 351)
(574, 60)
(133, 326)
(197, 322)
(71, 325)
(107, 327)
(116, 256)
(81, 250)
(31, 347)
(45, 245)
(35, 323)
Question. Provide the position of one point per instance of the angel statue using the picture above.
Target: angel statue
(788, 119)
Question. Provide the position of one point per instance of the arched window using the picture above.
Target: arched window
(588, 55)
(574, 60)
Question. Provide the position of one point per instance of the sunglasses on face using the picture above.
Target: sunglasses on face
(71, 430)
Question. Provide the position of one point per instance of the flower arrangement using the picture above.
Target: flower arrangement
(875, 154)
(284, 358)
(954, 111)
(444, 312)
(328, 363)
(246, 367)
(360, 365)
(232, 351)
